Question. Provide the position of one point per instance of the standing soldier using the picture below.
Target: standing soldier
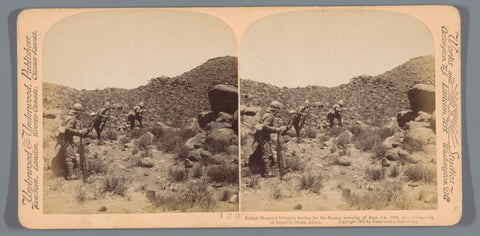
(264, 129)
(99, 119)
(297, 118)
(335, 112)
(136, 114)
(69, 128)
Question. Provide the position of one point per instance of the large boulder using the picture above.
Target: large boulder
(224, 117)
(199, 155)
(417, 139)
(218, 140)
(404, 117)
(422, 98)
(206, 117)
(223, 98)
(251, 111)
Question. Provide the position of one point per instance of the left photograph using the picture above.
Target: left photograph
(140, 113)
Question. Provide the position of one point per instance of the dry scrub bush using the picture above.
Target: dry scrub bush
(294, 163)
(115, 185)
(335, 131)
(276, 193)
(81, 193)
(311, 182)
(421, 173)
(225, 195)
(194, 195)
(172, 140)
(310, 132)
(374, 173)
(390, 195)
(111, 134)
(97, 166)
(136, 133)
(223, 173)
(394, 171)
(254, 182)
(177, 174)
(342, 140)
(197, 171)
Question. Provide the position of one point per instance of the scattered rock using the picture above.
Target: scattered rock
(188, 163)
(146, 162)
(422, 98)
(218, 140)
(392, 154)
(233, 198)
(223, 98)
(251, 111)
(49, 116)
(192, 143)
(391, 142)
(215, 126)
(224, 118)
(423, 117)
(206, 117)
(199, 155)
(414, 125)
(341, 161)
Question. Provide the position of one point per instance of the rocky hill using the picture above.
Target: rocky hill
(166, 98)
(368, 97)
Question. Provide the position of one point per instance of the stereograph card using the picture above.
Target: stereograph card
(239, 117)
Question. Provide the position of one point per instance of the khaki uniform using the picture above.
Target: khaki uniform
(98, 121)
(296, 118)
(65, 140)
(264, 142)
(135, 114)
(335, 112)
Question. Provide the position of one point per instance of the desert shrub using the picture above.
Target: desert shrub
(144, 142)
(421, 173)
(115, 185)
(294, 163)
(254, 182)
(390, 195)
(394, 171)
(310, 132)
(374, 173)
(343, 151)
(81, 193)
(136, 133)
(342, 140)
(298, 206)
(198, 194)
(276, 193)
(97, 166)
(386, 132)
(111, 134)
(311, 182)
(225, 196)
(172, 140)
(335, 131)
(379, 150)
(333, 149)
(135, 151)
(177, 174)
(195, 194)
(197, 171)
(223, 173)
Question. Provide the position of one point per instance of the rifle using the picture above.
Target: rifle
(280, 161)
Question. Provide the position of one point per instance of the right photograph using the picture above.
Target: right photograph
(337, 112)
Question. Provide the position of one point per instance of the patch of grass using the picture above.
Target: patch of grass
(198, 194)
(193, 195)
(343, 139)
(421, 173)
(136, 133)
(144, 141)
(81, 193)
(177, 174)
(379, 150)
(374, 174)
(223, 173)
(335, 131)
(311, 182)
(390, 195)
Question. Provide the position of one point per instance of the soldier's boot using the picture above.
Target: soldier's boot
(70, 175)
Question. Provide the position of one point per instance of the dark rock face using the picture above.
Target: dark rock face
(422, 98)
(223, 98)
(404, 117)
(206, 117)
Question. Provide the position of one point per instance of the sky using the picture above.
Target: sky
(329, 47)
(125, 49)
